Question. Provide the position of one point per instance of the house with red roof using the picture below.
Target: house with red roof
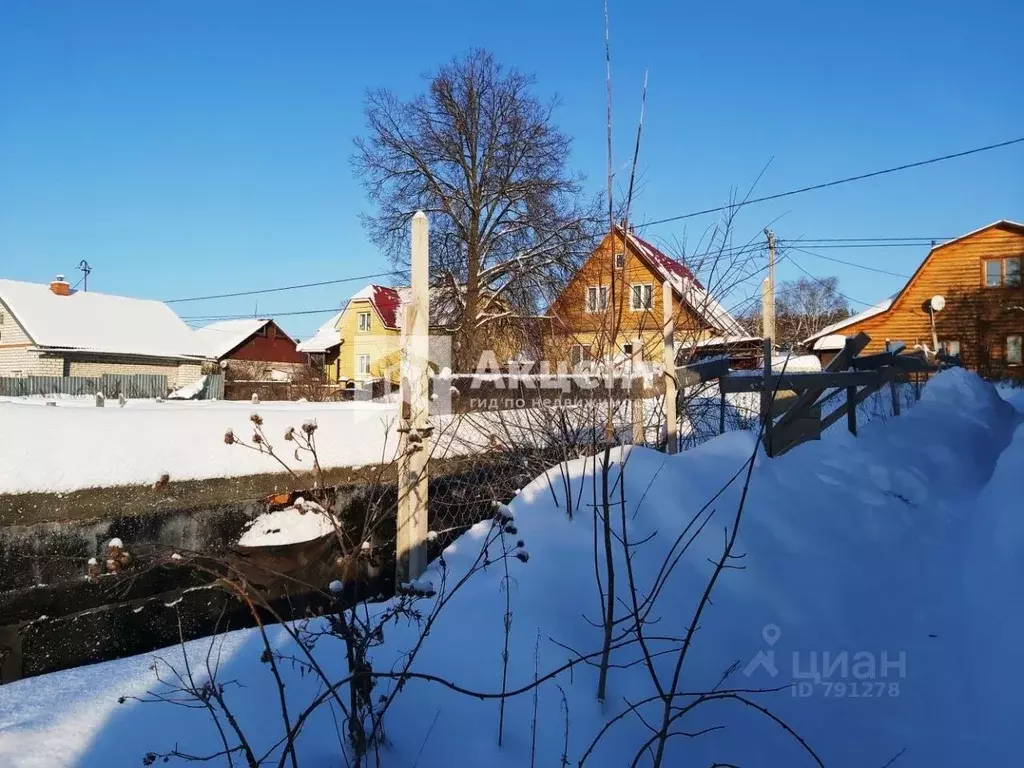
(369, 334)
(612, 307)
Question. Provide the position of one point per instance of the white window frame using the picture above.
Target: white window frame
(1020, 349)
(362, 370)
(364, 327)
(619, 260)
(601, 296)
(646, 302)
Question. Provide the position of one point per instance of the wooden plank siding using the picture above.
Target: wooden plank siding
(978, 317)
(573, 324)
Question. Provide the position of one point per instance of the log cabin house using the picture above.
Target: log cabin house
(979, 317)
(612, 308)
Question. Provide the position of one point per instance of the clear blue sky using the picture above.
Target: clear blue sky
(201, 146)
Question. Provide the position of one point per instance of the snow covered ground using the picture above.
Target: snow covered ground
(880, 575)
(77, 445)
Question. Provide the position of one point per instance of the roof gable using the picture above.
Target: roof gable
(893, 301)
(223, 337)
(98, 322)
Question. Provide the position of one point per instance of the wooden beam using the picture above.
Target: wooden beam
(862, 395)
(692, 374)
(799, 381)
(839, 363)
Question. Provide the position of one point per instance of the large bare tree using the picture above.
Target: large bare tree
(802, 308)
(479, 153)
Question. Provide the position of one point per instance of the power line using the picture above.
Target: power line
(826, 285)
(282, 288)
(212, 318)
(849, 263)
(837, 182)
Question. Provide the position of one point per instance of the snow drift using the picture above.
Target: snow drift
(858, 553)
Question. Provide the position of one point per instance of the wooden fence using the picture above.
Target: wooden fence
(112, 385)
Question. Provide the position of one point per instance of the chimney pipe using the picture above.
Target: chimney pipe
(60, 286)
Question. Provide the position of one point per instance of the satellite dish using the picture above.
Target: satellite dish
(937, 303)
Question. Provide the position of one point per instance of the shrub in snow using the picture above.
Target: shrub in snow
(100, 400)
(121, 401)
(255, 399)
(503, 513)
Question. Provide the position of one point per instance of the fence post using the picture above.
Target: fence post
(893, 389)
(414, 426)
(636, 394)
(668, 333)
(766, 397)
(721, 413)
(851, 410)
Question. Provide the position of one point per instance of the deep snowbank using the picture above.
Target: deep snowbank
(853, 548)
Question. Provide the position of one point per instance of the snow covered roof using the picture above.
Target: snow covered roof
(830, 343)
(829, 330)
(686, 285)
(222, 337)
(327, 335)
(386, 301)
(98, 322)
(716, 341)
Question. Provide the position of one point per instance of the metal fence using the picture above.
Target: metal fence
(112, 385)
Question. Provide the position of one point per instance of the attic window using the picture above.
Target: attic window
(620, 260)
(1002, 272)
(364, 321)
(262, 332)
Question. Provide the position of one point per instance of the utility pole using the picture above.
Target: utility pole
(85, 269)
(768, 292)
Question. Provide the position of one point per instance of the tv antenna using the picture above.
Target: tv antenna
(85, 269)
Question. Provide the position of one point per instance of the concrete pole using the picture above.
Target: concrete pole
(414, 423)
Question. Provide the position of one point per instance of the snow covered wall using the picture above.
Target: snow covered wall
(869, 590)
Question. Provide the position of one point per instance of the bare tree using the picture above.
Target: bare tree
(802, 308)
(478, 152)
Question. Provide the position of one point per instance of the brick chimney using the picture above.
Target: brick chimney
(60, 286)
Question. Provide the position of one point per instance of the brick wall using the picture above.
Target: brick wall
(17, 358)
(178, 374)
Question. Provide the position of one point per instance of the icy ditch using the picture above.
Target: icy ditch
(869, 550)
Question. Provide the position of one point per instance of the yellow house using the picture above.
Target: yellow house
(371, 330)
(612, 307)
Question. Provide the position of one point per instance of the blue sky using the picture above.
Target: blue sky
(201, 146)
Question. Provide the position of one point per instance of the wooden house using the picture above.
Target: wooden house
(966, 298)
(255, 350)
(612, 307)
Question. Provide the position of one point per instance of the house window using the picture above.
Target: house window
(262, 332)
(950, 347)
(576, 355)
(1002, 272)
(620, 260)
(641, 296)
(627, 348)
(364, 321)
(363, 365)
(1011, 268)
(597, 298)
(1013, 350)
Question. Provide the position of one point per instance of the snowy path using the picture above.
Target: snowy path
(904, 546)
